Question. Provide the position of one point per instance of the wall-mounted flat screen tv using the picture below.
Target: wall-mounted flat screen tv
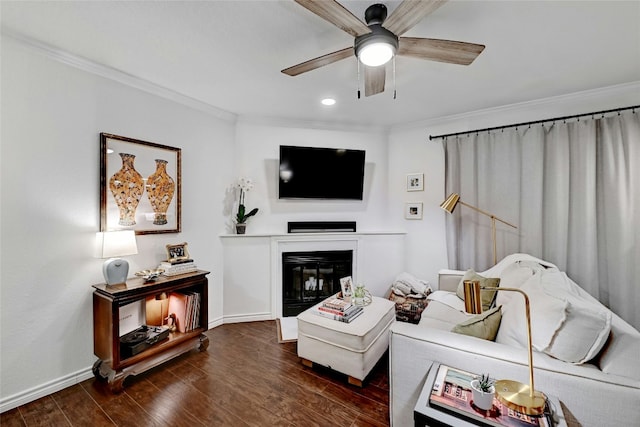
(321, 173)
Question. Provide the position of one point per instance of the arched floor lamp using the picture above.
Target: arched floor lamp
(452, 201)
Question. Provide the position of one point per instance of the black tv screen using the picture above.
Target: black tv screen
(321, 173)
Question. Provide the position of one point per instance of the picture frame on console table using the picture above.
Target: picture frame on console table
(177, 252)
(140, 186)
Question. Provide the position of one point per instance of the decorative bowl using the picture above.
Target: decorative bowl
(150, 275)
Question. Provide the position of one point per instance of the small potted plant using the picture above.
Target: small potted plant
(483, 391)
(245, 185)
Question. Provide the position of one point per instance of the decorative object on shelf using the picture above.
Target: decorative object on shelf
(150, 275)
(515, 395)
(244, 184)
(483, 391)
(162, 297)
(413, 210)
(127, 186)
(160, 189)
(115, 244)
(415, 182)
(177, 252)
(124, 207)
(346, 284)
(452, 201)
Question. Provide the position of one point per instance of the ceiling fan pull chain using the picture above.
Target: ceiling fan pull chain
(394, 77)
(358, 61)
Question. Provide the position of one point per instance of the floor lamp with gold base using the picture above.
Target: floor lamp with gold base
(452, 201)
(515, 395)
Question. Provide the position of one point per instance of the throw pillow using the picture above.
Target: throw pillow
(483, 326)
(513, 276)
(566, 323)
(488, 297)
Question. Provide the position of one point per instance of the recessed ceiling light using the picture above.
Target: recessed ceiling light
(328, 101)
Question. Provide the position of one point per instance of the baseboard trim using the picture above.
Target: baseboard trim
(45, 389)
(255, 317)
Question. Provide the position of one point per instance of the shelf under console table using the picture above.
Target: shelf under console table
(114, 366)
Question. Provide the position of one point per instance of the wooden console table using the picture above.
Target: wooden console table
(107, 301)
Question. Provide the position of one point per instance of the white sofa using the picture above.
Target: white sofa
(602, 392)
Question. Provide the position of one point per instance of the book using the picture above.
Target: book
(178, 269)
(178, 305)
(168, 263)
(338, 312)
(336, 304)
(357, 311)
(186, 307)
(451, 392)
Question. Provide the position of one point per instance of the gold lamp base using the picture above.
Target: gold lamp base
(516, 396)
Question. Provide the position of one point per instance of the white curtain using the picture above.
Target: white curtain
(573, 190)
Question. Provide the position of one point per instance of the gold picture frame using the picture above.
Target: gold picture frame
(177, 252)
(140, 186)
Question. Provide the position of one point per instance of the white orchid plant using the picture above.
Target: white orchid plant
(245, 184)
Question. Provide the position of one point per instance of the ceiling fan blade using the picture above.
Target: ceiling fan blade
(409, 13)
(374, 78)
(453, 52)
(318, 62)
(335, 13)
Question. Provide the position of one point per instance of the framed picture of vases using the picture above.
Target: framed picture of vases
(140, 186)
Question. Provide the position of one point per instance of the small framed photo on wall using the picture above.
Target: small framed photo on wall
(415, 182)
(413, 210)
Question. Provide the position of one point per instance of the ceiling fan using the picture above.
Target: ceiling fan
(380, 39)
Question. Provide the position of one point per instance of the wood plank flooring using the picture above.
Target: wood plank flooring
(245, 378)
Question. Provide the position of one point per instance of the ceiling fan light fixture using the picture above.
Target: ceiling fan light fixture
(376, 48)
(376, 54)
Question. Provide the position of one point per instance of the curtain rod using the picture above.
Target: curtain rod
(633, 107)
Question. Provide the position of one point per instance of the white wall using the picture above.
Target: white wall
(51, 118)
(258, 152)
(411, 151)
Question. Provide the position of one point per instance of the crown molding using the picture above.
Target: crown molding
(114, 74)
(313, 124)
(571, 99)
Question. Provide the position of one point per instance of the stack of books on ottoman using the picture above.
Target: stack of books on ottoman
(180, 266)
(338, 309)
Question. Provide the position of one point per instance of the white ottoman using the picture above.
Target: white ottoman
(350, 348)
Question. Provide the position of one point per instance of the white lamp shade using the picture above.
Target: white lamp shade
(375, 54)
(112, 244)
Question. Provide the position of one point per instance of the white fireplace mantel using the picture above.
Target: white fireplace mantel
(252, 276)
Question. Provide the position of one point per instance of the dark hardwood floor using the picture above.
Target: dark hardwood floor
(245, 378)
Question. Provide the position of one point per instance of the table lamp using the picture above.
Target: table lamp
(515, 395)
(114, 244)
(452, 201)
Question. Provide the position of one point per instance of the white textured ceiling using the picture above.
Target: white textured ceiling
(229, 53)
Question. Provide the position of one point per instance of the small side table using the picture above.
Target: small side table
(426, 415)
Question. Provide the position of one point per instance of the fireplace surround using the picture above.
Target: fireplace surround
(311, 276)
